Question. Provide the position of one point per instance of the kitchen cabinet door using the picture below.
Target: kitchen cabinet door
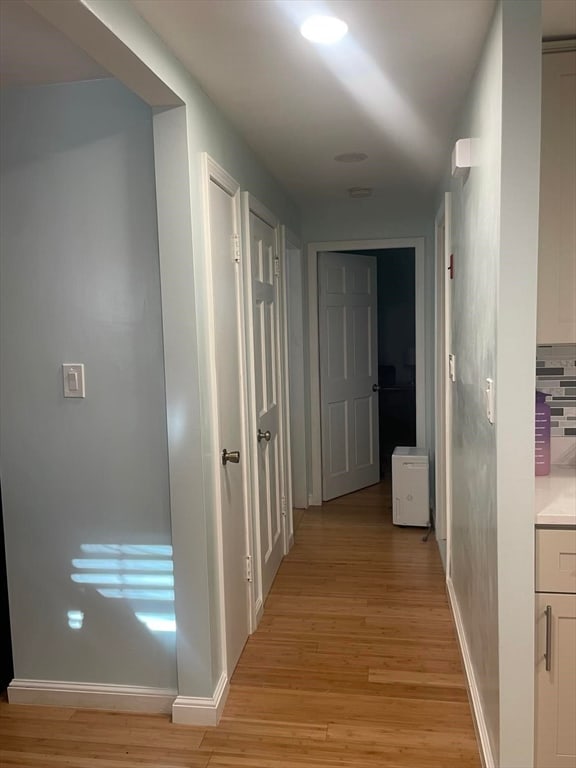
(556, 686)
(557, 248)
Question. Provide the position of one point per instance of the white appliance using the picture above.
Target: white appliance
(410, 495)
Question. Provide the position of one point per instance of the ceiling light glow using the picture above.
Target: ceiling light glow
(325, 30)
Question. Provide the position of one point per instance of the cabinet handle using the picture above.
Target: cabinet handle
(548, 651)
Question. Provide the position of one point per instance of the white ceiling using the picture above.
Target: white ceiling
(392, 89)
(558, 19)
(33, 52)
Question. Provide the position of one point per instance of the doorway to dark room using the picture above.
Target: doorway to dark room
(369, 363)
(396, 293)
(396, 351)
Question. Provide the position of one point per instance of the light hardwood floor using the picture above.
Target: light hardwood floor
(355, 663)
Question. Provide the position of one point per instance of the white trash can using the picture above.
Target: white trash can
(410, 494)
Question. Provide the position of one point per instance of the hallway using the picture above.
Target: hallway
(355, 664)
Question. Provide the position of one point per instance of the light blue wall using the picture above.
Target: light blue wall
(476, 247)
(495, 241)
(80, 283)
(192, 449)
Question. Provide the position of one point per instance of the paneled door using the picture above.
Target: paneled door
(222, 201)
(555, 680)
(265, 431)
(348, 323)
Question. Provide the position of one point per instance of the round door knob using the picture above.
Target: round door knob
(376, 387)
(264, 435)
(232, 456)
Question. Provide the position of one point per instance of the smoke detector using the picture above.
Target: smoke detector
(351, 157)
(357, 192)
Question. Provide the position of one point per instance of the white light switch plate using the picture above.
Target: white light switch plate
(490, 400)
(73, 378)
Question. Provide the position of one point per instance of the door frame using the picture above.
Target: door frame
(296, 361)
(251, 204)
(286, 239)
(443, 392)
(417, 243)
(213, 172)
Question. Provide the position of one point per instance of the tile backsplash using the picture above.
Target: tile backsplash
(556, 376)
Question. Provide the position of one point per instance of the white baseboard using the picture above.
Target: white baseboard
(57, 693)
(486, 753)
(191, 710)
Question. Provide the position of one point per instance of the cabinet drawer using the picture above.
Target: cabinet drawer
(556, 560)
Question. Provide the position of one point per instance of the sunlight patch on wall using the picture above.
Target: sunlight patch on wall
(75, 619)
(143, 574)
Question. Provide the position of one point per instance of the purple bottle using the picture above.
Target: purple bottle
(542, 452)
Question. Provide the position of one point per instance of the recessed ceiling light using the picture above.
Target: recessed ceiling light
(360, 191)
(351, 157)
(324, 29)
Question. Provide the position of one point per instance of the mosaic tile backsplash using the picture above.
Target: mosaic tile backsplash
(556, 376)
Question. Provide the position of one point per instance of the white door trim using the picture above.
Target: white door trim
(440, 376)
(296, 351)
(443, 392)
(211, 171)
(351, 245)
(285, 238)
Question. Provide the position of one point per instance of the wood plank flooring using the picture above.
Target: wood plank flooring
(355, 664)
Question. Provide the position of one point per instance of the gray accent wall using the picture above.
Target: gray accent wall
(84, 481)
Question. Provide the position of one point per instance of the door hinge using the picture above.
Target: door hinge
(236, 248)
(283, 506)
(277, 266)
(248, 567)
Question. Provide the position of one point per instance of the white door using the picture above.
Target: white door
(265, 433)
(348, 322)
(223, 210)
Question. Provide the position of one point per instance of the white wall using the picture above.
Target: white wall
(80, 283)
(494, 239)
(115, 35)
(515, 372)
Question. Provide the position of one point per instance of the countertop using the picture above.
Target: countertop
(556, 497)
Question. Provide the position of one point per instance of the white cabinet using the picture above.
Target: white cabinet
(557, 249)
(555, 649)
